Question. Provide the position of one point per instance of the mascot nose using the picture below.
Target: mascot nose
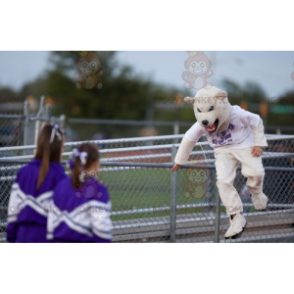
(205, 122)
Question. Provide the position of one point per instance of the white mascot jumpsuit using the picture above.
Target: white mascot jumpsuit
(232, 132)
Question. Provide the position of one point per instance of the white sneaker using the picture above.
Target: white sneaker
(237, 226)
(259, 201)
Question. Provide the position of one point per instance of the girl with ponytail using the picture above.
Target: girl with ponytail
(31, 193)
(81, 211)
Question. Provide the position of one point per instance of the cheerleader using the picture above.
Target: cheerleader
(32, 190)
(81, 211)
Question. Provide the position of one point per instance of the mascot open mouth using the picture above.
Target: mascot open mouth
(213, 127)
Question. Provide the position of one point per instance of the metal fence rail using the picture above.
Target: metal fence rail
(151, 204)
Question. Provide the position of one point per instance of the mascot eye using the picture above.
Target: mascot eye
(193, 64)
(93, 64)
(211, 108)
(84, 64)
(198, 110)
(202, 64)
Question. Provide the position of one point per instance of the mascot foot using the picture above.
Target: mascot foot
(259, 201)
(237, 227)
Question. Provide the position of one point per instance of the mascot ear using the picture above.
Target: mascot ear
(189, 99)
(221, 95)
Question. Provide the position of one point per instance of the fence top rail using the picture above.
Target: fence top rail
(269, 137)
(108, 141)
(157, 165)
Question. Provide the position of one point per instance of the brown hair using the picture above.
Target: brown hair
(48, 152)
(93, 155)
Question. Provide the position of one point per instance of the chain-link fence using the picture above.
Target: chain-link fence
(19, 125)
(151, 204)
(98, 129)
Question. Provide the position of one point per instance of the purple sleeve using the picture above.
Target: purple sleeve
(11, 232)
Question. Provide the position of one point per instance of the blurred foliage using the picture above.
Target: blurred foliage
(253, 93)
(249, 93)
(128, 96)
(282, 119)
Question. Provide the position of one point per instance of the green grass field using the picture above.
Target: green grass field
(145, 188)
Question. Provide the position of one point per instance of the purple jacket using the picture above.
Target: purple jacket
(27, 213)
(80, 215)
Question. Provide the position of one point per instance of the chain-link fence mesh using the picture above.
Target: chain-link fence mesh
(11, 111)
(147, 201)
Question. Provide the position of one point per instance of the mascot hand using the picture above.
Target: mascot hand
(256, 151)
(175, 167)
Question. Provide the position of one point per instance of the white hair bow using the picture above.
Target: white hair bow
(82, 155)
(55, 129)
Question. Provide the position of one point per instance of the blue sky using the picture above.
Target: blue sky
(272, 70)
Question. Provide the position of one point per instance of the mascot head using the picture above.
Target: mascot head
(212, 109)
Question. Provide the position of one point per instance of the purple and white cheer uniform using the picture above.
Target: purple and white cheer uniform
(27, 210)
(80, 215)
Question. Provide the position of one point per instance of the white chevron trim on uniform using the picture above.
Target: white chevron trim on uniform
(19, 200)
(88, 218)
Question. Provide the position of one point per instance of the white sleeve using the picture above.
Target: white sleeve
(14, 202)
(100, 219)
(259, 137)
(190, 139)
(195, 133)
(249, 119)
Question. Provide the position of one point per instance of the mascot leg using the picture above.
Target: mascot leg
(253, 170)
(226, 165)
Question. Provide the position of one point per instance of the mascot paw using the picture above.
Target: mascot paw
(99, 86)
(78, 85)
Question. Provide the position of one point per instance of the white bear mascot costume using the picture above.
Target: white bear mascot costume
(236, 136)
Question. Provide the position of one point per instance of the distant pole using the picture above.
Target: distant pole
(149, 111)
(62, 122)
(38, 122)
(26, 129)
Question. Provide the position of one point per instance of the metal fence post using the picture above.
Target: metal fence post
(176, 128)
(176, 131)
(47, 113)
(38, 123)
(26, 123)
(217, 218)
(173, 199)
